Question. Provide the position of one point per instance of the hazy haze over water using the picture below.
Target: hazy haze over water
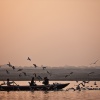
(50, 32)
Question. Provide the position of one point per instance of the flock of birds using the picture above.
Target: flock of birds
(78, 87)
(24, 73)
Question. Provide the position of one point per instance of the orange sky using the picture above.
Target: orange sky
(50, 32)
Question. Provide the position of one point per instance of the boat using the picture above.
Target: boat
(50, 87)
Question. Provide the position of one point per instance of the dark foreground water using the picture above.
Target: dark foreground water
(53, 95)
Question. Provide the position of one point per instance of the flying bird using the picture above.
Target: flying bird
(28, 59)
(19, 69)
(7, 72)
(9, 64)
(20, 75)
(94, 62)
(35, 65)
(13, 67)
(49, 73)
(39, 78)
(90, 73)
(68, 74)
(24, 73)
(71, 72)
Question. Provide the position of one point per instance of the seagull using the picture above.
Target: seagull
(90, 73)
(19, 69)
(35, 65)
(20, 75)
(39, 78)
(9, 64)
(94, 62)
(13, 67)
(28, 59)
(49, 73)
(69, 74)
(24, 73)
(7, 72)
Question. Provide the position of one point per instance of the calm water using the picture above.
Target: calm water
(53, 95)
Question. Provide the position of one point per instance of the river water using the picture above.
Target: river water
(53, 95)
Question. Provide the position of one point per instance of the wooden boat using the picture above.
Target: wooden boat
(32, 88)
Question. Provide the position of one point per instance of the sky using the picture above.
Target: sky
(50, 32)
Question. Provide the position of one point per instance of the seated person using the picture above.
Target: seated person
(46, 81)
(32, 82)
(9, 83)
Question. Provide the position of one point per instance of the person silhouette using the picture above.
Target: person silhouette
(46, 81)
(32, 82)
(9, 83)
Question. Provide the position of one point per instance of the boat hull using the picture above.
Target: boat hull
(32, 88)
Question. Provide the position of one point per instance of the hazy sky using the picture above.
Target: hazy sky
(50, 32)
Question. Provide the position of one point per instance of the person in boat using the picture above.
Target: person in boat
(32, 82)
(46, 81)
(9, 83)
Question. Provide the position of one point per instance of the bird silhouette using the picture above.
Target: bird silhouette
(94, 62)
(35, 65)
(7, 72)
(49, 73)
(39, 78)
(13, 67)
(68, 74)
(20, 75)
(90, 73)
(28, 59)
(9, 64)
(19, 69)
(24, 73)
(71, 72)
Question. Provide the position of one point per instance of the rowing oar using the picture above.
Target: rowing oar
(16, 85)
